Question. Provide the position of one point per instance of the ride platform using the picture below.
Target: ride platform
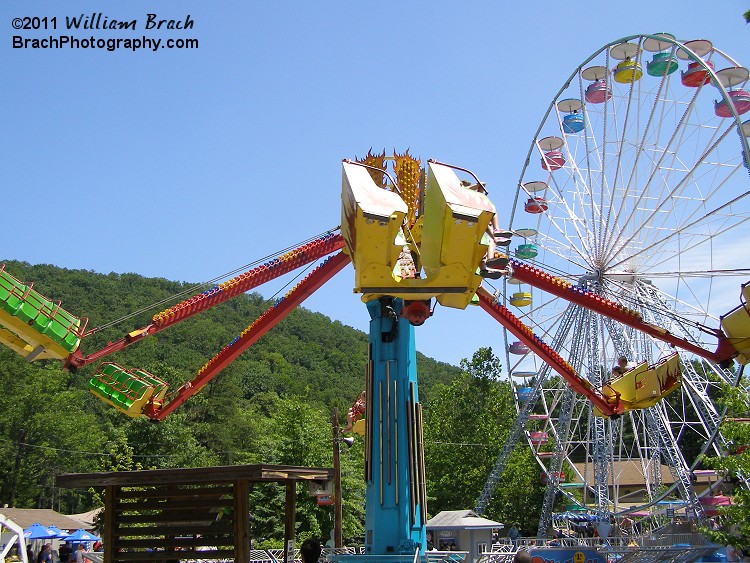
(447, 242)
(644, 385)
(129, 391)
(32, 325)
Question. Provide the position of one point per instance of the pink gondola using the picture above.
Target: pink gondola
(518, 348)
(740, 101)
(598, 92)
(553, 160)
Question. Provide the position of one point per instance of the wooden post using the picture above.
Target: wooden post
(110, 523)
(241, 509)
(290, 508)
(337, 506)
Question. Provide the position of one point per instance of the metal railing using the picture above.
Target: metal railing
(661, 539)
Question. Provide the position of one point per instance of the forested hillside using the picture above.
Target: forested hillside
(271, 405)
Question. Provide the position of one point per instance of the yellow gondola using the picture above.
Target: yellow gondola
(627, 71)
(644, 385)
(736, 325)
(521, 299)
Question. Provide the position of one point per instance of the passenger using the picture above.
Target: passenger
(355, 413)
(405, 265)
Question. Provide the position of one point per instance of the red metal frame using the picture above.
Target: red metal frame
(251, 334)
(560, 288)
(521, 331)
(284, 264)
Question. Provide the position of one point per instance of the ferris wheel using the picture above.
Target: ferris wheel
(636, 189)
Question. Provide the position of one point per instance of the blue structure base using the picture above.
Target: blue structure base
(394, 516)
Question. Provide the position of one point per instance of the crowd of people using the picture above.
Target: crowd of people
(66, 553)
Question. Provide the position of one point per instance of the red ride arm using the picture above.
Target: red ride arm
(560, 288)
(516, 327)
(284, 264)
(251, 334)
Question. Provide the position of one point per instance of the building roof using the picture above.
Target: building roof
(87, 517)
(460, 519)
(629, 473)
(25, 517)
(257, 473)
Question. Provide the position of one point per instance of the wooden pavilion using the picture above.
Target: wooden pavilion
(168, 515)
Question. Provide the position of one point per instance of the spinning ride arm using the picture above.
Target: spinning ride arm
(275, 268)
(516, 327)
(590, 300)
(251, 334)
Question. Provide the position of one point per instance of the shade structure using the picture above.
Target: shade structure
(81, 535)
(38, 532)
(58, 532)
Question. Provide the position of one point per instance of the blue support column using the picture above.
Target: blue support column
(394, 460)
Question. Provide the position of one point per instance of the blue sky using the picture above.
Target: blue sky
(186, 164)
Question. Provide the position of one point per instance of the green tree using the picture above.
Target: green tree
(298, 433)
(466, 424)
(735, 529)
(46, 430)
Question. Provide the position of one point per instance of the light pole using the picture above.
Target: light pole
(337, 508)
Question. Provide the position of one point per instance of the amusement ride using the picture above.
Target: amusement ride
(627, 216)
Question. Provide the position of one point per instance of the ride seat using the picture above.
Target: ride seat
(127, 391)
(644, 385)
(34, 326)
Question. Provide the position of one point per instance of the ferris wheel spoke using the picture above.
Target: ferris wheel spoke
(683, 230)
(656, 169)
(619, 162)
(579, 237)
(562, 248)
(589, 139)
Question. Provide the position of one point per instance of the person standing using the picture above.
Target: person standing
(65, 552)
(513, 534)
(80, 554)
(45, 555)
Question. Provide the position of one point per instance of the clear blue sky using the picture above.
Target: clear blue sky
(186, 164)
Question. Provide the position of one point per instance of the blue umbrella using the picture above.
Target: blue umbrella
(38, 532)
(81, 535)
(58, 532)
